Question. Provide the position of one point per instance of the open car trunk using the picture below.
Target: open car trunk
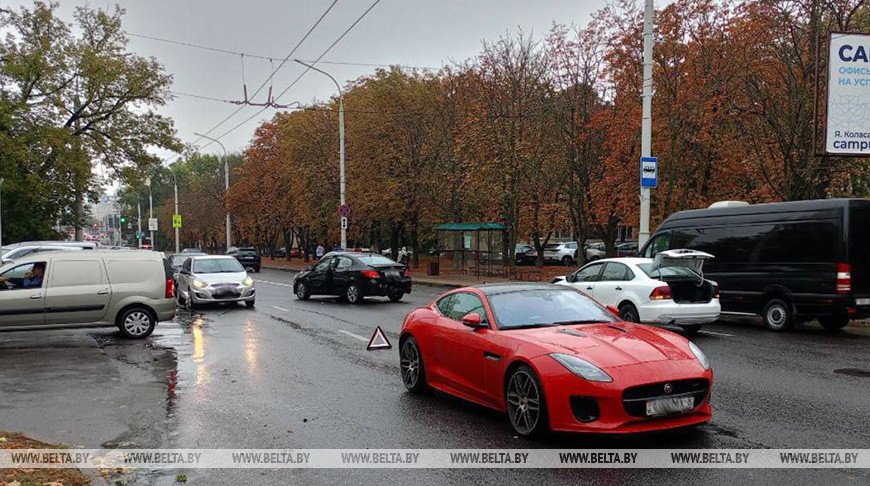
(683, 271)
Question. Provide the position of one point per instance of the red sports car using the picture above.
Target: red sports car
(554, 359)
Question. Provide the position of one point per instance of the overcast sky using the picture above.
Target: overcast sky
(413, 32)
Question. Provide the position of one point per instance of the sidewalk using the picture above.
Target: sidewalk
(418, 275)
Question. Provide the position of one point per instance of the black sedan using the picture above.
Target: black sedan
(354, 276)
(248, 257)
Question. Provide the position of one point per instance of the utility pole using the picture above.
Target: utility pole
(1, 209)
(646, 126)
(175, 189)
(226, 183)
(340, 148)
(138, 219)
(150, 212)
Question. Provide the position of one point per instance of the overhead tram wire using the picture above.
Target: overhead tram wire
(267, 58)
(303, 72)
(271, 75)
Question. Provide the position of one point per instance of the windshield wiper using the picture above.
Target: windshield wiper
(581, 321)
(532, 325)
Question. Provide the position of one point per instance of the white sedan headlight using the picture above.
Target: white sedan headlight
(702, 358)
(581, 367)
(198, 284)
(248, 281)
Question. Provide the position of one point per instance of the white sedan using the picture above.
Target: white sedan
(669, 289)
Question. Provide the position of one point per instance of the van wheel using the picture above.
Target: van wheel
(777, 315)
(691, 329)
(628, 312)
(136, 323)
(834, 322)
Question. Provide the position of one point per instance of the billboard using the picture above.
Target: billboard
(848, 114)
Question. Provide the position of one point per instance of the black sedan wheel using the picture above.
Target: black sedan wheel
(353, 294)
(396, 296)
(411, 364)
(302, 292)
(527, 409)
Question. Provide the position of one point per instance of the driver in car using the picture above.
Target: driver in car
(33, 278)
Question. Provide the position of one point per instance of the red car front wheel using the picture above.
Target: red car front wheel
(526, 406)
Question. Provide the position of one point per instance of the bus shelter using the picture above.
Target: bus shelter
(472, 248)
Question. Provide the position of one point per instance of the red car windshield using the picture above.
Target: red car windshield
(546, 307)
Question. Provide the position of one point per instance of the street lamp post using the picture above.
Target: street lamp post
(340, 146)
(226, 182)
(138, 218)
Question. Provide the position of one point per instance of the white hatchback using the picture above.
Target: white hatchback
(669, 289)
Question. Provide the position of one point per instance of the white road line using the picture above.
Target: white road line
(355, 336)
(280, 284)
(714, 333)
(281, 308)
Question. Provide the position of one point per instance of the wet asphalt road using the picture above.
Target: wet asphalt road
(292, 374)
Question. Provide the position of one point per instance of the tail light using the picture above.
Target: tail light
(661, 293)
(170, 288)
(844, 278)
(370, 273)
(715, 291)
(407, 272)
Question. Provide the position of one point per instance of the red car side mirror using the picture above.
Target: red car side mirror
(614, 311)
(472, 320)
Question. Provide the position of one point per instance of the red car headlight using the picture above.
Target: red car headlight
(581, 368)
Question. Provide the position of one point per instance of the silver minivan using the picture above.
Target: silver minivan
(131, 290)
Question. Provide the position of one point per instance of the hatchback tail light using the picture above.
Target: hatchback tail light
(370, 273)
(170, 289)
(844, 278)
(661, 293)
(407, 272)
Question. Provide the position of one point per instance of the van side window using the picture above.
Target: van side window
(658, 244)
(27, 276)
(74, 273)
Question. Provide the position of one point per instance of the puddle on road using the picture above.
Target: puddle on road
(853, 372)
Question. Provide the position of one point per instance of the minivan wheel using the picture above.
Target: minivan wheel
(136, 323)
(777, 315)
(834, 322)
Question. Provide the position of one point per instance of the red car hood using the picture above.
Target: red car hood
(608, 345)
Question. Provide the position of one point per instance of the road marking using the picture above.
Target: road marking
(355, 336)
(714, 333)
(281, 308)
(280, 284)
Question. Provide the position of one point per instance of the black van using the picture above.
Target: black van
(786, 261)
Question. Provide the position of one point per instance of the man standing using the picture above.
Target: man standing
(319, 252)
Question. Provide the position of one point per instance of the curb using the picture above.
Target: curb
(93, 475)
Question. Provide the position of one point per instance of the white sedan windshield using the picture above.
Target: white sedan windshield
(217, 265)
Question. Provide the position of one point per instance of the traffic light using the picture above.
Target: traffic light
(123, 220)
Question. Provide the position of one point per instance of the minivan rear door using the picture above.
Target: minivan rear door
(78, 291)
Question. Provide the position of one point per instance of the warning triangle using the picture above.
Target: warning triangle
(379, 340)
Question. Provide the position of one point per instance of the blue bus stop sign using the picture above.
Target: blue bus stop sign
(649, 172)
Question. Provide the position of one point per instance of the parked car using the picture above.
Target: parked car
(595, 251)
(176, 262)
(554, 359)
(525, 255)
(130, 290)
(669, 289)
(627, 249)
(280, 252)
(23, 251)
(564, 253)
(354, 276)
(213, 279)
(295, 253)
(249, 257)
(191, 250)
(787, 262)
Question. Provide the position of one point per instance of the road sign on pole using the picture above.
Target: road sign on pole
(176, 221)
(649, 172)
(344, 210)
(152, 224)
(343, 223)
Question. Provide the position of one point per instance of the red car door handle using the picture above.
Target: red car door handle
(492, 356)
